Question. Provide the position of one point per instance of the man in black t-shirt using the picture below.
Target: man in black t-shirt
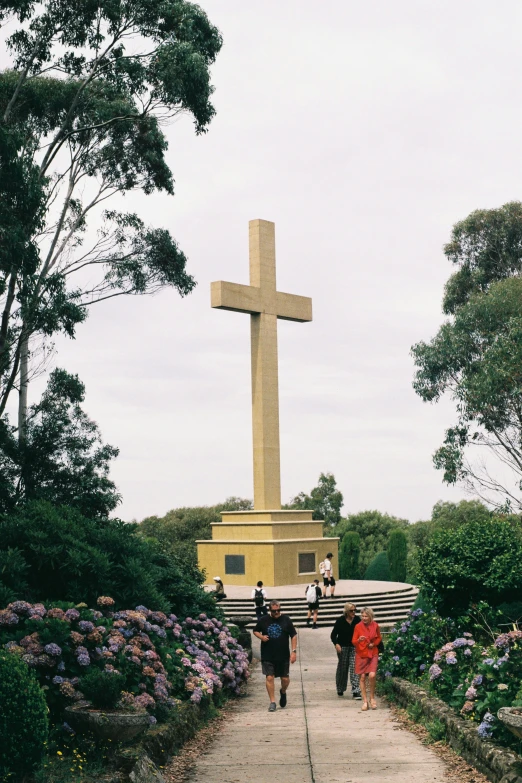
(275, 630)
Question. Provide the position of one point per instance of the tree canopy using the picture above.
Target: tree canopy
(325, 500)
(476, 357)
(82, 111)
(62, 459)
(374, 529)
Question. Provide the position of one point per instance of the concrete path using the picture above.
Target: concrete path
(318, 738)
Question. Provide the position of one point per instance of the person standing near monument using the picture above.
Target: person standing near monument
(341, 636)
(313, 594)
(259, 598)
(328, 577)
(275, 631)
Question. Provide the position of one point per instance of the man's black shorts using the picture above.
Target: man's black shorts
(276, 668)
(328, 581)
(313, 606)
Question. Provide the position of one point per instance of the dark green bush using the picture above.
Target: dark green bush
(23, 719)
(398, 555)
(59, 555)
(102, 689)
(477, 561)
(379, 568)
(349, 556)
(374, 529)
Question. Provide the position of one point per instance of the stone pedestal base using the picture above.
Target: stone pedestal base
(277, 547)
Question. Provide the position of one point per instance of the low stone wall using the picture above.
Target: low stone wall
(500, 765)
(143, 763)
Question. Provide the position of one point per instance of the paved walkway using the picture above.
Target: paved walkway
(318, 738)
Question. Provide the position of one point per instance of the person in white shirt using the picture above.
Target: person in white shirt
(259, 597)
(328, 577)
(313, 594)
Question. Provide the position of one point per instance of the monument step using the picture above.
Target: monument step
(288, 605)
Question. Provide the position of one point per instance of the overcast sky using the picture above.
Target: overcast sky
(364, 131)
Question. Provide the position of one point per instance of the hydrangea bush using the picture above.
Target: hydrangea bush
(474, 676)
(163, 660)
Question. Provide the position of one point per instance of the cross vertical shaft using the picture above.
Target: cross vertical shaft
(265, 305)
(265, 381)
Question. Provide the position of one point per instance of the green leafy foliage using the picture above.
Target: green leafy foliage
(103, 689)
(374, 529)
(349, 556)
(479, 560)
(379, 568)
(180, 528)
(469, 663)
(476, 356)
(61, 555)
(81, 115)
(325, 500)
(486, 246)
(397, 555)
(62, 459)
(23, 719)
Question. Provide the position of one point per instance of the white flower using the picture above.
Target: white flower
(502, 686)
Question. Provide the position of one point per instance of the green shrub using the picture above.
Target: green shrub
(102, 689)
(414, 711)
(421, 602)
(374, 529)
(477, 561)
(398, 555)
(379, 568)
(436, 729)
(50, 553)
(349, 556)
(23, 719)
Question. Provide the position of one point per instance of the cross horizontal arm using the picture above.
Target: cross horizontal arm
(233, 296)
(290, 307)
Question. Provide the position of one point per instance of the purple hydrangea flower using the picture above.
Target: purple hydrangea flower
(52, 649)
(461, 642)
(435, 671)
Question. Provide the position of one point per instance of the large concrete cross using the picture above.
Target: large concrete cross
(265, 305)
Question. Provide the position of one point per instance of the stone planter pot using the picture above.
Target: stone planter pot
(116, 726)
(242, 621)
(511, 717)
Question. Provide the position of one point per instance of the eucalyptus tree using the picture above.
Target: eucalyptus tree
(82, 107)
(476, 357)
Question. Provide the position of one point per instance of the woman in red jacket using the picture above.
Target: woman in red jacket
(366, 638)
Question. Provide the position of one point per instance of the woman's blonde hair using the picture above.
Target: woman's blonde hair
(368, 611)
(347, 607)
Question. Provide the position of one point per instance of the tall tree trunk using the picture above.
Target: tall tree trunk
(24, 383)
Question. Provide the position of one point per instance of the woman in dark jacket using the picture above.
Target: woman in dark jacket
(341, 637)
